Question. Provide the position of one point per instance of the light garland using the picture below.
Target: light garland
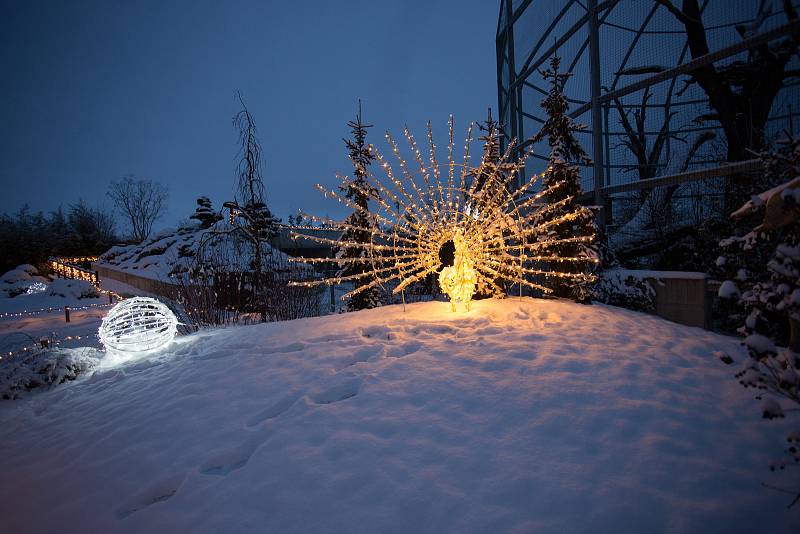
(44, 343)
(497, 234)
(136, 325)
(32, 313)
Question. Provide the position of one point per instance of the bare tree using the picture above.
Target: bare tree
(253, 219)
(740, 93)
(142, 203)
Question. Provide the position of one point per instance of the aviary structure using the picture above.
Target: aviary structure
(479, 236)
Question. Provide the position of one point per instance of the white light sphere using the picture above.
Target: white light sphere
(136, 325)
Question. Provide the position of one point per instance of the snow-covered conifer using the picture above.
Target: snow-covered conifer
(358, 225)
(764, 265)
(565, 155)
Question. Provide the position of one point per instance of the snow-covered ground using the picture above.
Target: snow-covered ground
(519, 416)
(27, 318)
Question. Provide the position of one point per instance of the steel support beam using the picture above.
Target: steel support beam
(740, 167)
(597, 112)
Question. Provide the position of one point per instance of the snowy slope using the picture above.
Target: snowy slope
(519, 416)
(169, 252)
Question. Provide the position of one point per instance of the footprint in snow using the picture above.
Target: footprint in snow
(378, 332)
(404, 349)
(230, 460)
(273, 411)
(291, 347)
(339, 392)
(364, 354)
(161, 491)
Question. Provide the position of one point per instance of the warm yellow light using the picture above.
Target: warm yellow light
(459, 280)
(502, 236)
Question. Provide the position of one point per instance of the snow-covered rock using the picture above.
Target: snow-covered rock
(522, 415)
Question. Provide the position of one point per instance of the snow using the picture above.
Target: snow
(728, 290)
(27, 318)
(521, 415)
(19, 281)
(172, 251)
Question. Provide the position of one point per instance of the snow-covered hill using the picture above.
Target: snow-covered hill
(173, 251)
(519, 416)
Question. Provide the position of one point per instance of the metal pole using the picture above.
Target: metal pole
(597, 117)
(513, 102)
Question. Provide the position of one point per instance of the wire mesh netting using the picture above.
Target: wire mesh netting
(658, 112)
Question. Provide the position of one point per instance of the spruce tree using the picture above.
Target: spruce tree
(490, 160)
(205, 214)
(565, 155)
(359, 224)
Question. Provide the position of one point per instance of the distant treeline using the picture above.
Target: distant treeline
(28, 237)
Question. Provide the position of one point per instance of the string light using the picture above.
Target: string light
(69, 268)
(31, 313)
(497, 234)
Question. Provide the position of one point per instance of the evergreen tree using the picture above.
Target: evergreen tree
(359, 224)
(565, 155)
(764, 270)
(490, 160)
(205, 214)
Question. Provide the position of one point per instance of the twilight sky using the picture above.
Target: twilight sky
(92, 91)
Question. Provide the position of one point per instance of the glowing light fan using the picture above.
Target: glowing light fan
(136, 325)
(495, 234)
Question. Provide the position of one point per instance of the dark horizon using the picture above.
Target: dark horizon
(94, 92)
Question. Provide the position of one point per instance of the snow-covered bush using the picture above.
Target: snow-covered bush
(19, 280)
(769, 293)
(44, 369)
(619, 287)
(72, 289)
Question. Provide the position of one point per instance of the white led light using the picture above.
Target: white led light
(136, 325)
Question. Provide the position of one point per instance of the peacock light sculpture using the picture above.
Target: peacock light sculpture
(466, 223)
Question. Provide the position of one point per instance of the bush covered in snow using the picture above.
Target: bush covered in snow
(764, 265)
(44, 369)
(19, 280)
(619, 287)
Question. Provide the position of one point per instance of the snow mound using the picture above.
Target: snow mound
(17, 281)
(72, 289)
(172, 252)
(522, 415)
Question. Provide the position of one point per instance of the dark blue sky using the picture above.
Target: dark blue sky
(92, 91)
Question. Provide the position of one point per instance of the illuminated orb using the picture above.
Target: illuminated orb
(136, 325)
